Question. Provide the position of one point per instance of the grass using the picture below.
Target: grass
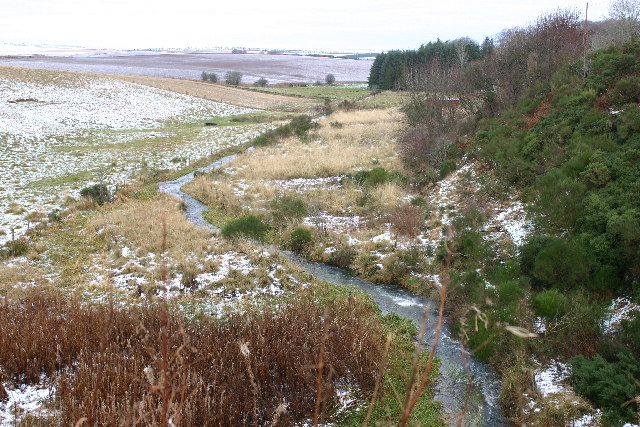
(104, 359)
(226, 94)
(385, 99)
(334, 93)
(74, 180)
(365, 138)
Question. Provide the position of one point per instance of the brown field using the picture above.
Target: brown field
(224, 94)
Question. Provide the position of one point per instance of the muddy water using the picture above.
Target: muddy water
(462, 378)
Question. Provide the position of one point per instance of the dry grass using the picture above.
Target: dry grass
(140, 224)
(144, 365)
(366, 138)
(387, 197)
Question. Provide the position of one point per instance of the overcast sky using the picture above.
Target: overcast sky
(292, 24)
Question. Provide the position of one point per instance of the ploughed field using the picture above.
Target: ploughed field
(275, 68)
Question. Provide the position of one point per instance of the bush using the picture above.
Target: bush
(54, 215)
(261, 82)
(14, 248)
(301, 125)
(99, 193)
(608, 385)
(212, 77)
(247, 226)
(233, 78)
(343, 257)
(299, 239)
(288, 207)
(407, 220)
(550, 304)
(330, 79)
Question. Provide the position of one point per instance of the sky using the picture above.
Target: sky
(374, 25)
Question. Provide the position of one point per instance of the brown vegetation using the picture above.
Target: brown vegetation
(145, 365)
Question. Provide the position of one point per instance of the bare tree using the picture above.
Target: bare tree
(625, 15)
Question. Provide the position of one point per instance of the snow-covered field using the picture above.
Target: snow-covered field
(60, 132)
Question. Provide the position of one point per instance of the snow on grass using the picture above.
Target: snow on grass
(620, 309)
(334, 223)
(506, 218)
(551, 379)
(70, 108)
(512, 221)
(302, 185)
(25, 400)
(75, 131)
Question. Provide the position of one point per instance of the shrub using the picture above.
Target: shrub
(299, 239)
(608, 385)
(247, 226)
(233, 78)
(302, 124)
(213, 77)
(407, 220)
(54, 215)
(343, 257)
(14, 248)
(330, 79)
(288, 207)
(99, 193)
(261, 82)
(549, 304)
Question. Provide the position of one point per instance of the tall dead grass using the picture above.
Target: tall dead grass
(146, 366)
(138, 222)
(366, 137)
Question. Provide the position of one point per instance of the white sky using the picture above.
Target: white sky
(318, 24)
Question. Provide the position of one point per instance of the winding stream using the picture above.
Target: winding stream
(458, 368)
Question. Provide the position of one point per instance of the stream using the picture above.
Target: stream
(459, 370)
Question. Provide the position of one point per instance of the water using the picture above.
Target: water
(459, 371)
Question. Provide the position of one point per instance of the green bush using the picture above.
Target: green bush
(99, 193)
(343, 257)
(261, 82)
(377, 176)
(247, 226)
(550, 304)
(299, 239)
(301, 125)
(609, 385)
(288, 207)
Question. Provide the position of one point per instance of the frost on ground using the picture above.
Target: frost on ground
(25, 400)
(59, 134)
(552, 379)
(224, 281)
(619, 310)
(505, 218)
(302, 185)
